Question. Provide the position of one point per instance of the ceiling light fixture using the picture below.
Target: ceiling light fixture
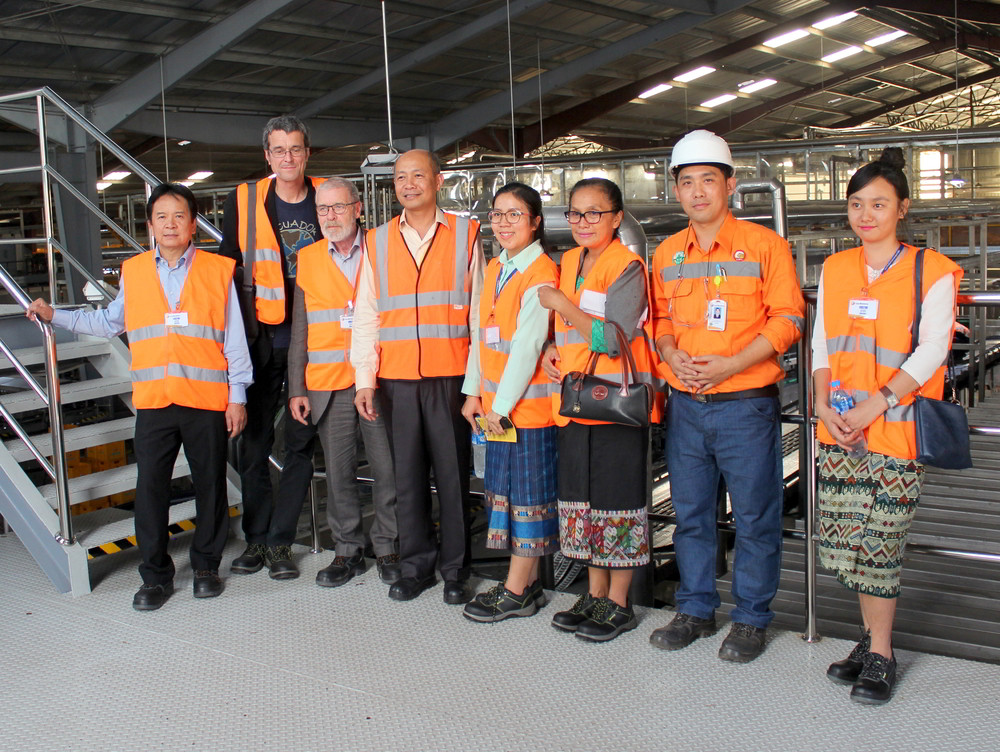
(658, 89)
(786, 38)
(955, 179)
(103, 184)
(835, 21)
(757, 85)
(891, 36)
(185, 142)
(841, 54)
(200, 175)
(691, 75)
(117, 175)
(719, 100)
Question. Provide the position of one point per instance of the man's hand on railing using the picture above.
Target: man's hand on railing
(39, 309)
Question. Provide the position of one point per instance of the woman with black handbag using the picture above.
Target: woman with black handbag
(601, 306)
(866, 308)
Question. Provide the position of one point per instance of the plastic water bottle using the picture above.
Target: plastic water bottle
(479, 453)
(842, 401)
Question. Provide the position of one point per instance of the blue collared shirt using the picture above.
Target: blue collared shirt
(110, 322)
(349, 264)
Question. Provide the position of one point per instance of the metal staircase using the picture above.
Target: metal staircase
(83, 376)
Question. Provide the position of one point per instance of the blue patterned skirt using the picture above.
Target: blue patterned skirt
(520, 485)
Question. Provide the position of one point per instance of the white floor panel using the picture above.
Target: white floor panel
(291, 666)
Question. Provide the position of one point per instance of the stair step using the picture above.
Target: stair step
(108, 525)
(107, 482)
(66, 351)
(22, 401)
(81, 437)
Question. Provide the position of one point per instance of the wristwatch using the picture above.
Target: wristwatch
(890, 396)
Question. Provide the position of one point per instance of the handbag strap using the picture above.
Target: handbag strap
(918, 297)
(629, 373)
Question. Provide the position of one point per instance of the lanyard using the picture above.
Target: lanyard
(893, 260)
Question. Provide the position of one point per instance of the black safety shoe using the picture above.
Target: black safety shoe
(606, 621)
(875, 683)
(388, 568)
(743, 643)
(682, 630)
(341, 570)
(279, 563)
(207, 583)
(576, 615)
(151, 597)
(848, 670)
(499, 603)
(250, 561)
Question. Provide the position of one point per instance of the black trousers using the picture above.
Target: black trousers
(159, 435)
(268, 519)
(426, 429)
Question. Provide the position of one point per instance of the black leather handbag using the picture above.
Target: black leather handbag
(590, 397)
(942, 425)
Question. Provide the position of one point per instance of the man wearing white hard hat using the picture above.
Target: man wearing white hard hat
(728, 304)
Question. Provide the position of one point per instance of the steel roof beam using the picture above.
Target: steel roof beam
(968, 10)
(129, 97)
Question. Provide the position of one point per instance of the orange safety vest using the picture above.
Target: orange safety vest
(574, 352)
(178, 365)
(257, 233)
(866, 353)
(423, 312)
(533, 409)
(329, 295)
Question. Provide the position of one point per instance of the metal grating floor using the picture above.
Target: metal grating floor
(288, 665)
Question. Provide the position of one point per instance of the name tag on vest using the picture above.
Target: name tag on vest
(863, 308)
(347, 321)
(492, 335)
(178, 318)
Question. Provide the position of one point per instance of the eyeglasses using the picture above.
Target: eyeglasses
(592, 217)
(324, 209)
(279, 152)
(513, 216)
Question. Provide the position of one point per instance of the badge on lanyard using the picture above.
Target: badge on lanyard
(491, 335)
(347, 319)
(175, 318)
(716, 315)
(863, 308)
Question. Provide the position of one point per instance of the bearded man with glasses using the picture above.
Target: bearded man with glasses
(265, 224)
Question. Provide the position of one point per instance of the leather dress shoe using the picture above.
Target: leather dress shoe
(151, 597)
(388, 568)
(207, 583)
(848, 670)
(682, 630)
(570, 620)
(875, 683)
(279, 563)
(743, 643)
(457, 592)
(408, 588)
(341, 570)
(250, 561)
(606, 620)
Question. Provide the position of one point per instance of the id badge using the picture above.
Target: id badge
(863, 308)
(716, 315)
(347, 321)
(492, 334)
(175, 318)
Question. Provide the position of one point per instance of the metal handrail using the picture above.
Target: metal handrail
(53, 399)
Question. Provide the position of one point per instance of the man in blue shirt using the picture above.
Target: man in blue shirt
(176, 404)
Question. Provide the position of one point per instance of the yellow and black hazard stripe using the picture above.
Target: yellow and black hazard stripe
(181, 526)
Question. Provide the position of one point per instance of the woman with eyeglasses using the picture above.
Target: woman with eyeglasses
(520, 475)
(862, 338)
(602, 466)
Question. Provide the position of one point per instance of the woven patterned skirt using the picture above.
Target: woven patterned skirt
(521, 493)
(865, 510)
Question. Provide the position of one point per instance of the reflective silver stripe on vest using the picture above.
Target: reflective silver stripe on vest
(455, 296)
(424, 331)
(442, 297)
(147, 332)
(897, 414)
(270, 293)
(503, 346)
(569, 337)
(799, 321)
(382, 252)
(707, 269)
(533, 391)
(196, 374)
(461, 252)
(325, 316)
(847, 343)
(326, 356)
(249, 249)
(147, 374)
(200, 331)
(268, 254)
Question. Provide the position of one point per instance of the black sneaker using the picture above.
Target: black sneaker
(743, 643)
(498, 603)
(341, 570)
(848, 670)
(606, 621)
(875, 683)
(571, 619)
(250, 561)
(682, 630)
(279, 563)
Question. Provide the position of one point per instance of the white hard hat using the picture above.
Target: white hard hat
(700, 147)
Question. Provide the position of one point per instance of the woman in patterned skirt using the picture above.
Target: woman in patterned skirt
(862, 338)
(520, 475)
(602, 466)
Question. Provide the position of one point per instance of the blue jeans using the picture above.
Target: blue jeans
(741, 440)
